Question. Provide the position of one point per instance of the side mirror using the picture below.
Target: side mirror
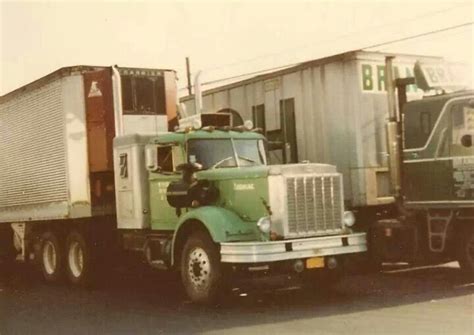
(188, 171)
(151, 158)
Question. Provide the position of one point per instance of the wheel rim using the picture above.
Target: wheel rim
(49, 257)
(199, 268)
(76, 259)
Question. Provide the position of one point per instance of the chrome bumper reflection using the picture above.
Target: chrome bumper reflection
(257, 252)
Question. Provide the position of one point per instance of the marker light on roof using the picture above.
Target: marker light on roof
(197, 124)
(248, 125)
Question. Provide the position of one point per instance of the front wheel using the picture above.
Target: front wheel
(466, 252)
(201, 271)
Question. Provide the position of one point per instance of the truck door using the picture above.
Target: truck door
(163, 216)
(462, 150)
(437, 172)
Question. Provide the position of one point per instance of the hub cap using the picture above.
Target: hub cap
(76, 259)
(199, 268)
(49, 257)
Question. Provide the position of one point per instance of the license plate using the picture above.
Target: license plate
(315, 262)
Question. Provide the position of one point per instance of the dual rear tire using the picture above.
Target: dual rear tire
(71, 260)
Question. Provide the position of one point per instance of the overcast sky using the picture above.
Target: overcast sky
(222, 38)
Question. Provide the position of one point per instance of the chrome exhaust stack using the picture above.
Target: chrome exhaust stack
(198, 93)
(117, 96)
(393, 133)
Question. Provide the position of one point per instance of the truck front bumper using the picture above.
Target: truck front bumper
(272, 251)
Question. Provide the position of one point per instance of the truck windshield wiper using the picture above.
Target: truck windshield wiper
(248, 159)
(221, 161)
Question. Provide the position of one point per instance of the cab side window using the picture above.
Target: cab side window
(165, 158)
(463, 129)
(169, 157)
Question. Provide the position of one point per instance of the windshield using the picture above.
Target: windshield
(219, 153)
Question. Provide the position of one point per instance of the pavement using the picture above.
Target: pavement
(400, 300)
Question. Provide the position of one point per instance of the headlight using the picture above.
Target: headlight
(348, 218)
(264, 224)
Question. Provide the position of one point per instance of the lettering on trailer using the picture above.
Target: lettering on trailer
(94, 91)
(441, 75)
(373, 77)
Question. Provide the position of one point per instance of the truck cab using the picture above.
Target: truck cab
(438, 140)
(204, 201)
(432, 161)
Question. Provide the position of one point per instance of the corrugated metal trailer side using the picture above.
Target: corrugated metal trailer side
(339, 117)
(43, 144)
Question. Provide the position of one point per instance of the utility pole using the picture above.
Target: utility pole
(188, 74)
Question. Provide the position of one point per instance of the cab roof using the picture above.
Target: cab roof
(182, 137)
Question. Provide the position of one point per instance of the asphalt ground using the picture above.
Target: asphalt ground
(400, 300)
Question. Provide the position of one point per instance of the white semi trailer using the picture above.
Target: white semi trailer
(331, 110)
(56, 145)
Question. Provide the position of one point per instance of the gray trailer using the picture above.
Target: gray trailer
(331, 110)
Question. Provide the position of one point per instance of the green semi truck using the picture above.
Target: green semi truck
(430, 145)
(216, 209)
(334, 110)
(93, 165)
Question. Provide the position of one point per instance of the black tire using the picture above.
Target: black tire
(201, 271)
(466, 252)
(52, 258)
(79, 259)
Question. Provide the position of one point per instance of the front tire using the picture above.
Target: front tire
(79, 259)
(466, 252)
(201, 271)
(52, 262)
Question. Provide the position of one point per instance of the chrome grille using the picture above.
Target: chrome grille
(315, 205)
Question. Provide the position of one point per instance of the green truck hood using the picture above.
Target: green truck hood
(241, 190)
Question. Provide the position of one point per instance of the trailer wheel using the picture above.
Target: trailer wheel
(79, 260)
(51, 258)
(201, 271)
(466, 252)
